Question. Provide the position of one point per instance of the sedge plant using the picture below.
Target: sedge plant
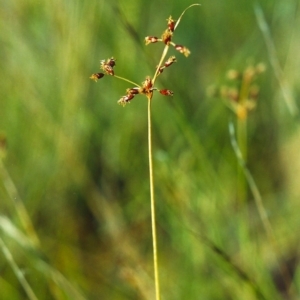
(241, 97)
(147, 88)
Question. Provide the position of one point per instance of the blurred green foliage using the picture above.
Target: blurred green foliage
(78, 161)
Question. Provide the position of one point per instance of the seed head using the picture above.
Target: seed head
(171, 24)
(170, 61)
(96, 76)
(182, 49)
(111, 62)
(133, 91)
(108, 65)
(167, 36)
(166, 92)
(151, 39)
(125, 99)
(147, 85)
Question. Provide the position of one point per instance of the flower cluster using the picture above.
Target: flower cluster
(168, 63)
(166, 38)
(241, 97)
(147, 87)
(107, 66)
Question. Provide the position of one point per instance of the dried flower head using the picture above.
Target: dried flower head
(134, 91)
(96, 76)
(108, 65)
(125, 99)
(168, 63)
(166, 38)
(111, 62)
(152, 39)
(171, 24)
(182, 49)
(147, 86)
(166, 92)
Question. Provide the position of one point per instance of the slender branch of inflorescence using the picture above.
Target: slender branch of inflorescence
(127, 80)
(163, 56)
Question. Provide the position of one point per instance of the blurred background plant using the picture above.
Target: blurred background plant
(75, 217)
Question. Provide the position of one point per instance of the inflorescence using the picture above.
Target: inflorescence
(166, 38)
(147, 88)
(242, 96)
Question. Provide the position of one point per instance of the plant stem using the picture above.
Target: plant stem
(286, 277)
(19, 205)
(152, 200)
(165, 51)
(242, 143)
(20, 274)
(127, 80)
(242, 117)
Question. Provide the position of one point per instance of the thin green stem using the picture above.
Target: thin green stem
(274, 61)
(19, 205)
(261, 210)
(242, 142)
(127, 80)
(179, 19)
(27, 288)
(152, 200)
(166, 49)
(242, 132)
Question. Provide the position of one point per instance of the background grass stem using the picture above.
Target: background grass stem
(27, 288)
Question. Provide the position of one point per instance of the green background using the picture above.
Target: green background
(78, 161)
